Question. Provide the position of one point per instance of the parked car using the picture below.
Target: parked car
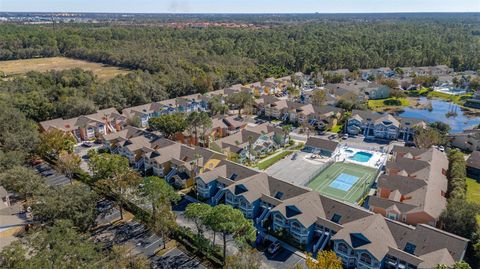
(87, 144)
(47, 173)
(294, 157)
(274, 247)
(333, 136)
(345, 136)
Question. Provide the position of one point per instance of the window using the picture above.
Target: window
(342, 248)
(410, 248)
(365, 258)
(279, 195)
(336, 218)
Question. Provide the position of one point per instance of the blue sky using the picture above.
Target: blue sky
(242, 6)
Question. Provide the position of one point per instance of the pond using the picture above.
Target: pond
(439, 110)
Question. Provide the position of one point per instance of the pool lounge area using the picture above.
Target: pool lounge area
(368, 158)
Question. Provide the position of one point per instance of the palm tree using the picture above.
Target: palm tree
(286, 131)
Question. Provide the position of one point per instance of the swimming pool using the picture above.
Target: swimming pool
(361, 156)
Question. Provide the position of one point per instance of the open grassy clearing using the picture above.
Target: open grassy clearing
(20, 67)
(473, 192)
(457, 99)
(386, 103)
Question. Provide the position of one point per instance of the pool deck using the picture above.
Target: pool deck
(376, 161)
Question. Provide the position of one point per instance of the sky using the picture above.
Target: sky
(241, 6)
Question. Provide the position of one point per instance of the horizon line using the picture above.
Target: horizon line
(250, 13)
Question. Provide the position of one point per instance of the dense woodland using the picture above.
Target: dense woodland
(192, 59)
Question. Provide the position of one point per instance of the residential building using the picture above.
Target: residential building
(88, 127)
(376, 91)
(375, 125)
(469, 140)
(321, 146)
(413, 188)
(251, 142)
(473, 165)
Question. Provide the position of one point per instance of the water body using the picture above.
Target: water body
(440, 107)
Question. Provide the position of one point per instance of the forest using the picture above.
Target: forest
(172, 62)
(200, 59)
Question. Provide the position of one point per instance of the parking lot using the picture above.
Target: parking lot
(281, 259)
(296, 171)
(176, 258)
(52, 177)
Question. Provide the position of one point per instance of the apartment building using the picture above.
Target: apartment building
(88, 127)
(375, 125)
(362, 239)
(413, 188)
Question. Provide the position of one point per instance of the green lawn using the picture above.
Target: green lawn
(337, 128)
(262, 165)
(457, 99)
(473, 192)
(389, 102)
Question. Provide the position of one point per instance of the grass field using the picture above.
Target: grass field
(20, 67)
(365, 177)
(457, 99)
(473, 193)
(386, 103)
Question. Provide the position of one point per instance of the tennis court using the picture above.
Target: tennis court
(344, 181)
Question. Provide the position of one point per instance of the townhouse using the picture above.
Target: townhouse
(362, 239)
(252, 141)
(88, 127)
(473, 165)
(469, 140)
(383, 72)
(439, 70)
(154, 155)
(413, 188)
(376, 125)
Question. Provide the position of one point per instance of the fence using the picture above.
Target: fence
(318, 171)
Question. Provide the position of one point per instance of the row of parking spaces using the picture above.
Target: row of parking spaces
(138, 237)
(274, 256)
(51, 176)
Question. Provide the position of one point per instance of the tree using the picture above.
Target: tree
(196, 120)
(164, 222)
(426, 137)
(158, 192)
(391, 83)
(318, 97)
(457, 265)
(226, 220)
(474, 84)
(441, 127)
(23, 181)
(72, 202)
(240, 100)
(217, 105)
(325, 260)
(59, 246)
(246, 258)
(121, 258)
(17, 133)
(198, 213)
(168, 124)
(460, 217)
(53, 142)
(68, 164)
(307, 128)
(114, 173)
(293, 92)
(287, 128)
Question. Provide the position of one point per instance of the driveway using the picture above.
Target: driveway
(298, 171)
(176, 258)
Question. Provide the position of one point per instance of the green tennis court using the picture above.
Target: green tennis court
(344, 181)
